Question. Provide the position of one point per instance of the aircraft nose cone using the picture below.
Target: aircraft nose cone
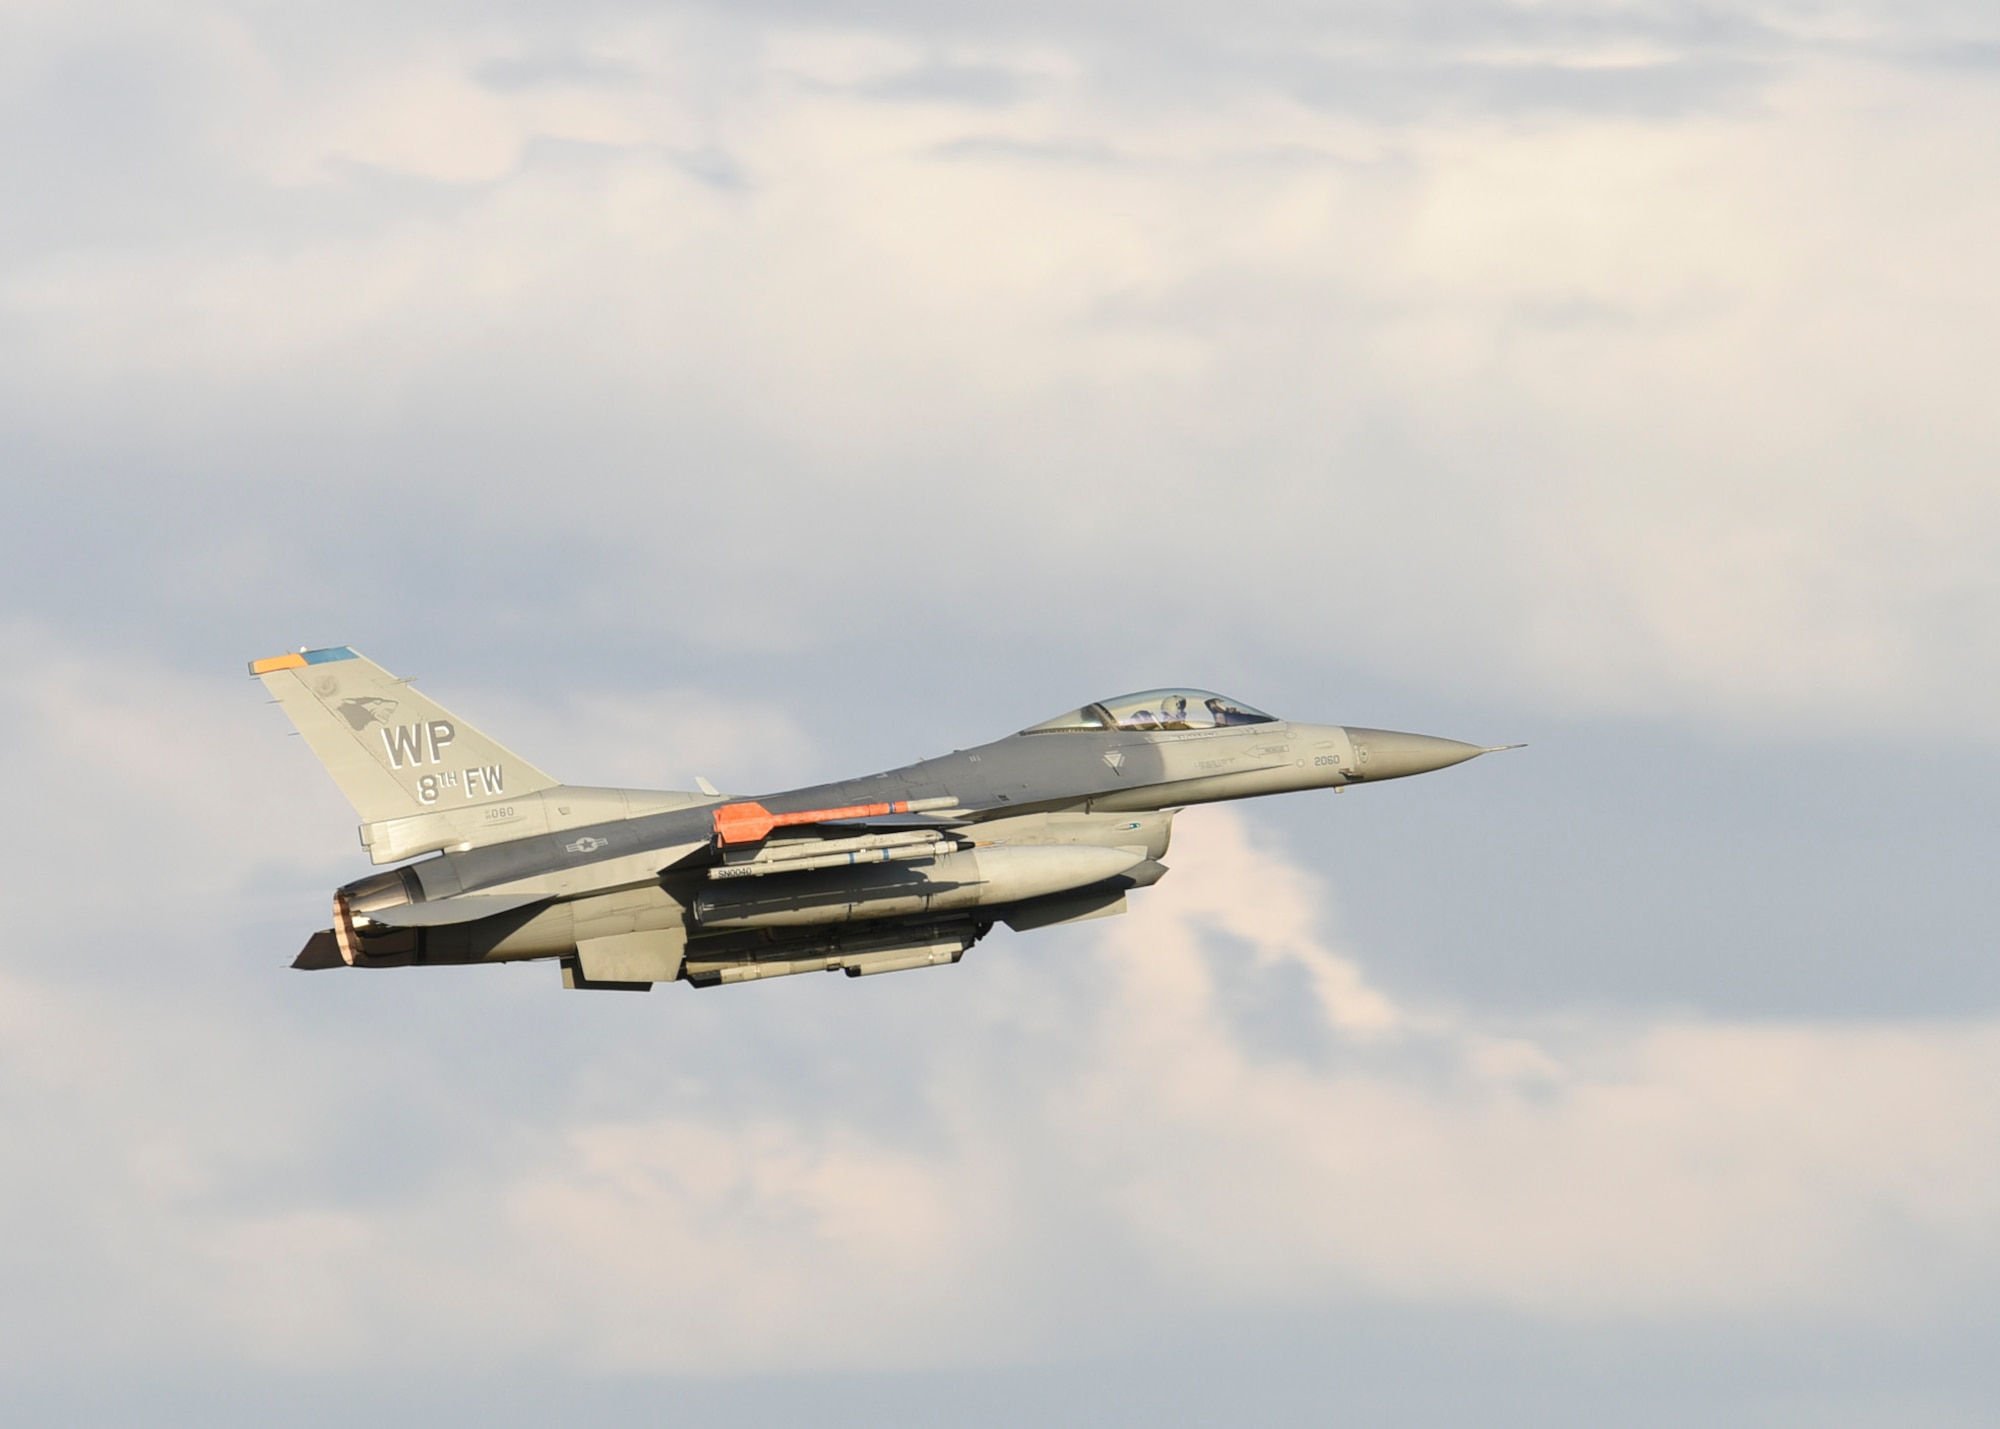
(1390, 754)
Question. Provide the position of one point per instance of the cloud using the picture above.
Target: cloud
(1066, 1141)
(659, 739)
(1595, 1165)
(651, 373)
(144, 793)
(1595, 413)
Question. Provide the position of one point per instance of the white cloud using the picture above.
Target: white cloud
(145, 794)
(1541, 401)
(1206, 1104)
(1603, 1165)
(1609, 414)
(654, 739)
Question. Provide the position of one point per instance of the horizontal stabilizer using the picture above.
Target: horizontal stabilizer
(322, 951)
(467, 908)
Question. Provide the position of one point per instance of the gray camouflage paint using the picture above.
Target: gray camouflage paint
(616, 883)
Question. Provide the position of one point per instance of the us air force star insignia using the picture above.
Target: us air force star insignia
(585, 845)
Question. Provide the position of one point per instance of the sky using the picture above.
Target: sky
(777, 392)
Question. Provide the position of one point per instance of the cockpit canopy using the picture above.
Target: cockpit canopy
(1155, 710)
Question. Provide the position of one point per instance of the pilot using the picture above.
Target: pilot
(1173, 713)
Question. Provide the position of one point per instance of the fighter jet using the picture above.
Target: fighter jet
(625, 888)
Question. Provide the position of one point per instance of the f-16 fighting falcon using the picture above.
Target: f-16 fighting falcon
(905, 869)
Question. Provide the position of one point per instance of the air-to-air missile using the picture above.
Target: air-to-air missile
(905, 869)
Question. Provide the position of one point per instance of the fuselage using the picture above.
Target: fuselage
(1095, 799)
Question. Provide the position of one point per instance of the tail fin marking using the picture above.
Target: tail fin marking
(393, 752)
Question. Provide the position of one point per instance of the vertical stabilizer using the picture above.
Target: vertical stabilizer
(392, 751)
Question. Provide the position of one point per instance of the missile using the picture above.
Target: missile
(883, 850)
(974, 878)
(750, 822)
